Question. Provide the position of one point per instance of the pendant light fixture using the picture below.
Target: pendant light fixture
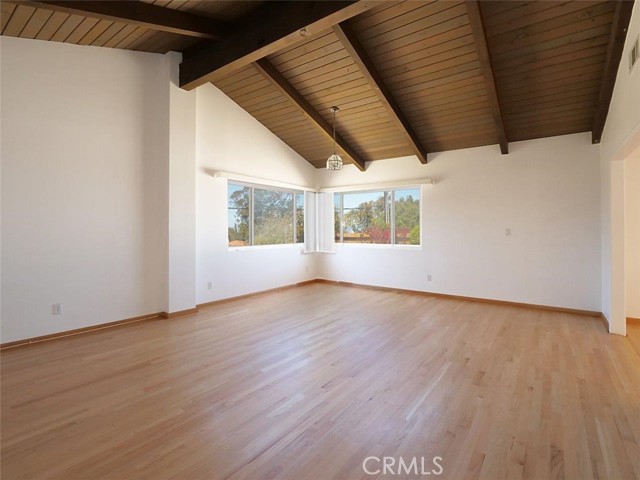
(334, 162)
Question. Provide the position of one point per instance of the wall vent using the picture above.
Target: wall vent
(634, 54)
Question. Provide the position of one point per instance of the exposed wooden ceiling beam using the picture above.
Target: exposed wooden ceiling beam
(277, 80)
(269, 28)
(480, 37)
(621, 19)
(139, 13)
(357, 52)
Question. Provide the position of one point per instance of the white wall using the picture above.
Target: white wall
(605, 236)
(620, 137)
(632, 233)
(546, 191)
(229, 139)
(84, 141)
(623, 119)
(1, 122)
(181, 275)
(105, 163)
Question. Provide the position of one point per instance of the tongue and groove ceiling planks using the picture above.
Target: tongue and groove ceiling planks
(410, 77)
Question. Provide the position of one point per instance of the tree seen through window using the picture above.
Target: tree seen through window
(264, 216)
(374, 217)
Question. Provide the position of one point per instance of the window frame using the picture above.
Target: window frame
(392, 212)
(252, 188)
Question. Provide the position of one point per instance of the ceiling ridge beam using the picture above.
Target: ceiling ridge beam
(356, 51)
(480, 37)
(266, 30)
(272, 74)
(615, 48)
(139, 13)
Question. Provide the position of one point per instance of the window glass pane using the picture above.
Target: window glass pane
(337, 205)
(407, 215)
(273, 217)
(299, 217)
(238, 215)
(367, 217)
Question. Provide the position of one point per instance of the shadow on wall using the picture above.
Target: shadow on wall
(155, 220)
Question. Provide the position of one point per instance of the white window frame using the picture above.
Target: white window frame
(381, 189)
(252, 187)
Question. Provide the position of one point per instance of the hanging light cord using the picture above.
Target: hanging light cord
(334, 130)
(334, 162)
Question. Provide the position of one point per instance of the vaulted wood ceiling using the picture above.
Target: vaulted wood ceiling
(409, 77)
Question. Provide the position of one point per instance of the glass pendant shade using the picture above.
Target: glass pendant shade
(334, 162)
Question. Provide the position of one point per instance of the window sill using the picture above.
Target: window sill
(266, 247)
(379, 246)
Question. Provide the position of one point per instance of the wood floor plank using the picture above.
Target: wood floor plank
(286, 385)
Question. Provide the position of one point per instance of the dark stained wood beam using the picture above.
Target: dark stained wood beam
(285, 88)
(350, 41)
(620, 25)
(480, 37)
(139, 13)
(269, 28)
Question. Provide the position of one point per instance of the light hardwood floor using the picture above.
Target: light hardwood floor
(307, 382)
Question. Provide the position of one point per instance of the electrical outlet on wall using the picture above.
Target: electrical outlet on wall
(56, 309)
(209, 285)
(507, 232)
(429, 278)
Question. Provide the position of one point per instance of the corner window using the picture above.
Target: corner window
(386, 217)
(260, 215)
(299, 217)
(238, 215)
